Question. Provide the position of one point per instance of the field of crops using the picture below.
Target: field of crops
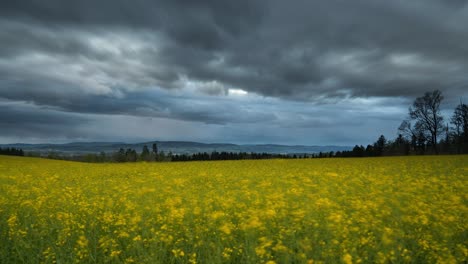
(369, 210)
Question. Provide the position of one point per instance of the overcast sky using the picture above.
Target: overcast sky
(289, 72)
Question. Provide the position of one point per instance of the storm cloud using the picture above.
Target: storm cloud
(233, 68)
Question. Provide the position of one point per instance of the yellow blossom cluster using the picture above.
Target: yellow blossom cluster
(368, 210)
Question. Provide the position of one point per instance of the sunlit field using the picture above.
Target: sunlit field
(369, 210)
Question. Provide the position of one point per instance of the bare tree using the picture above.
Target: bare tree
(460, 121)
(407, 130)
(415, 135)
(426, 112)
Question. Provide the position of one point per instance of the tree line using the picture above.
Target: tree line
(426, 130)
(231, 156)
(423, 131)
(131, 155)
(11, 152)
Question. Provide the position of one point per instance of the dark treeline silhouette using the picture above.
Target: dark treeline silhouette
(381, 147)
(11, 151)
(131, 155)
(229, 156)
(426, 132)
(423, 132)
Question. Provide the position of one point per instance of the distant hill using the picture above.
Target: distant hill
(176, 147)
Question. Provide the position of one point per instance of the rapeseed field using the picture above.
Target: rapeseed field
(369, 210)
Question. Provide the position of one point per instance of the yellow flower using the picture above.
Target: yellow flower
(233, 211)
(82, 241)
(347, 259)
(178, 252)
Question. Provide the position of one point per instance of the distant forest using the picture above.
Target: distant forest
(11, 152)
(423, 132)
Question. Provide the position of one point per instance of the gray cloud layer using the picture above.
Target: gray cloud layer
(179, 59)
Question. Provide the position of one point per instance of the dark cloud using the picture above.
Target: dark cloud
(202, 23)
(25, 121)
(179, 60)
(295, 50)
(155, 103)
